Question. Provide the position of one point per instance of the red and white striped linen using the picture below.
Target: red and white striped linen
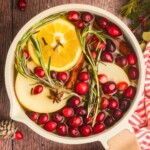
(140, 120)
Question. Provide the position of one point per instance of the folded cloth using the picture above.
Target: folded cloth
(140, 120)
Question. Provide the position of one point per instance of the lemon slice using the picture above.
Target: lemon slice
(58, 40)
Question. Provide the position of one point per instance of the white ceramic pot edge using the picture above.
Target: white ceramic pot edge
(17, 113)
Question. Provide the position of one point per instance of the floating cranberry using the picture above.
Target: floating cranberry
(62, 76)
(81, 88)
(75, 121)
(33, 115)
(117, 114)
(39, 72)
(133, 73)
(98, 128)
(84, 76)
(85, 130)
(80, 111)
(104, 103)
(102, 78)
(88, 120)
(122, 86)
(109, 87)
(50, 126)
(22, 4)
(106, 56)
(114, 31)
(110, 46)
(53, 74)
(74, 101)
(18, 135)
(79, 24)
(87, 17)
(113, 103)
(67, 112)
(62, 129)
(132, 59)
(103, 22)
(44, 118)
(94, 55)
(109, 121)
(37, 89)
(124, 105)
(100, 117)
(74, 132)
(130, 92)
(26, 54)
(121, 61)
(73, 16)
(57, 117)
(99, 45)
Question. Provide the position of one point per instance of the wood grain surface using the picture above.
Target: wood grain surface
(11, 21)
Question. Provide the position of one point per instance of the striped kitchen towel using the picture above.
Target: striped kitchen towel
(140, 120)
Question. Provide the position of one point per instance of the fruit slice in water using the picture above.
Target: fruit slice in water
(58, 40)
(38, 103)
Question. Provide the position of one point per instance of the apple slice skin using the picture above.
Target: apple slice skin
(113, 72)
(38, 103)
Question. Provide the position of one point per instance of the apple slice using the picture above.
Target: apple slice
(38, 103)
(113, 72)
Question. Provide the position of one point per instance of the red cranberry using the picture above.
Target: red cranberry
(124, 105)
(18, 135)
(99, 127)
(74, 132)
(53, 74)
(22, 4)
(80, 111)
(95, 38)
(122, 86)
(74, 101)
(117, 114)
(85, 130)
(73, 16)
(26, 54)
(106, 56)
(44, 118)
(79, 24)
(37, 89)
(33, 115)
(113, 103)
(88, 120)
(39, 72)
(100, 117)
(102, 78)
(62, 76)
(104, 103)
(103, 22)
(109, 121)
(94, 55)
(114, 31)
(133, 73)
(99, 45)
(57, 117)
(109, 87)
(83, 76)
(132, 60)
(62, 129)
(87, 17)
(50, 126)
(110, 46)
(130, 92)
(121, 61)
(67, 112)
(75, 121)
(81, 88)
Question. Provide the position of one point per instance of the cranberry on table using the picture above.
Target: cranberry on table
(104, 103)
(124, 105)
(67, 112)
(100, 117)
(43, 118)
(113, 103)
(102, 78)
(99, 45)
(98, 128)
(50, 126)
(74, 101)
(87, 17)
(81, 111)
(132, 59)
(133, 73)
(109, 121)
(62, 129)
(117, 114)
(121, 61)
(33, 115)
(22, 4)
(79, 24)
(83, 76)
(75, 121)
(57, 117)
(18, 135)
(85, 130)
(26, 54)
(106, 56)
(74, 132)
(62, 76)
(81, 88)
(88, 120)
(110, 46)
(37, 89)
(130, 92)
(53, 74)
(73, 16)
(39, 72)
(114, 31)
(103, 22)
(121, 86)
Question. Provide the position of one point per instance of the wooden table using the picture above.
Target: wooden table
(11, 20)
